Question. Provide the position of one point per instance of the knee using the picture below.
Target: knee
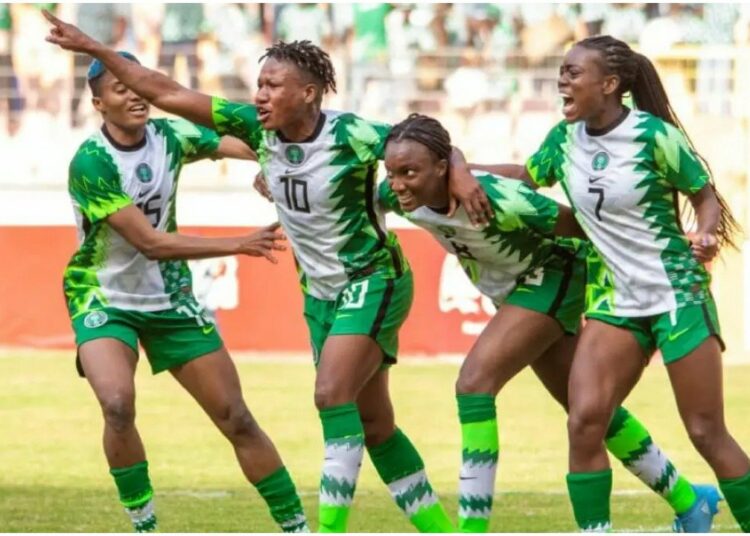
(236, 422)
(119, 412)
(472, 380)
(587, 424)
(706, 432)
(328, 394)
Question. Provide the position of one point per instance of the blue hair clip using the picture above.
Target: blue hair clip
(97, 68)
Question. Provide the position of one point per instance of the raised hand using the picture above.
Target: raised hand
(262, 243)
(68, 36)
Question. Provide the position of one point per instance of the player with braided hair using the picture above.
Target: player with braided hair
(321, 167)
(621, 169)
(537, 280)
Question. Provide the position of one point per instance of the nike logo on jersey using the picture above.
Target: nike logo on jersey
(594, 180)
(467, 477)
(675, 336)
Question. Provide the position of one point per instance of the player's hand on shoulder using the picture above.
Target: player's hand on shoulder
(705, 246)
(465, 189)
(263, 243)
(68, 36)
(261, 186)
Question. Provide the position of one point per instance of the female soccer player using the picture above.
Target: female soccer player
(321, 168)
(646, 289)
(539, 280)
(129, 283)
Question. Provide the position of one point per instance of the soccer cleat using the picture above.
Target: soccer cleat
(701, 515)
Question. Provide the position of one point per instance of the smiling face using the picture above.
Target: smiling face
(284, 95)
(588, 93)
(416, 175)
(119, 105)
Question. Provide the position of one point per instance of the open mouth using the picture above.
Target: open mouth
(263, 114)
(568, 105)
(138, 109)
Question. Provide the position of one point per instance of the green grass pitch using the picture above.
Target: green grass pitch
(54, 476)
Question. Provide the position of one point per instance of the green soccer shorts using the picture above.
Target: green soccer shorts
(170, 337)
(375, 306)
(676, 333)
(556, 289)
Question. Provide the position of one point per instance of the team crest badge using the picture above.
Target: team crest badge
(294, 154)
(95, 319)
(600, 161)
(144, 173)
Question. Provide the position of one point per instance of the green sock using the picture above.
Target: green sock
(589, 495)
(399, 465)
(278, 490)
(629, 441)
(479, 454)
(136, 495)
(344, 448)
(737, 494)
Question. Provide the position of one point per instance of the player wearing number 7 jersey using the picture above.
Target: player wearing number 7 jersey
(622, 170)
(537, 280)
(321, 168)
(129, 283)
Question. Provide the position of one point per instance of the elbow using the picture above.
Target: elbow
(154, 249)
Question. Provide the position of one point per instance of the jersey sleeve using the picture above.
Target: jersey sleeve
(195, 141)
(237, 119)
(387, 198)
(543, 165)
(366, 138)
(517, 206)
(94, 184)
(677, 162)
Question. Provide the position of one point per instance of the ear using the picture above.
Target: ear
(442, 167)
(98, 104)
(611, 84)
(311, 93)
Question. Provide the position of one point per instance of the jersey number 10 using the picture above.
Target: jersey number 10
(295, 192)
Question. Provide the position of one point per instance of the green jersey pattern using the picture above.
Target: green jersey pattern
(517, 241)
(623, 186)
(325, 195)
(106, 270)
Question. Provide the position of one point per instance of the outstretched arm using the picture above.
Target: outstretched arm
(231, 147)
(158, 89)
(133, 225)
(511, 171)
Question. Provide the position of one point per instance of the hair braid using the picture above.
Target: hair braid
(425, 130)
(308, 58)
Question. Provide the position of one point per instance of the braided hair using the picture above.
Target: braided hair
(425, 130)
(308, 58)
(639, 77)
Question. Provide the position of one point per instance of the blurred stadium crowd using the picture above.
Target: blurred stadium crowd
(479, 67)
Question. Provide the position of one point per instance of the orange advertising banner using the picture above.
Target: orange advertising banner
(258, 305)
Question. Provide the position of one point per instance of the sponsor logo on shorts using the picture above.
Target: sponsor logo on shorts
(95, 319)
(208, 329)
(675, 336)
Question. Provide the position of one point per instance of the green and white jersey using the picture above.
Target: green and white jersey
(517, 240)
(325, 195)
(622, 184)
(105, 177)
